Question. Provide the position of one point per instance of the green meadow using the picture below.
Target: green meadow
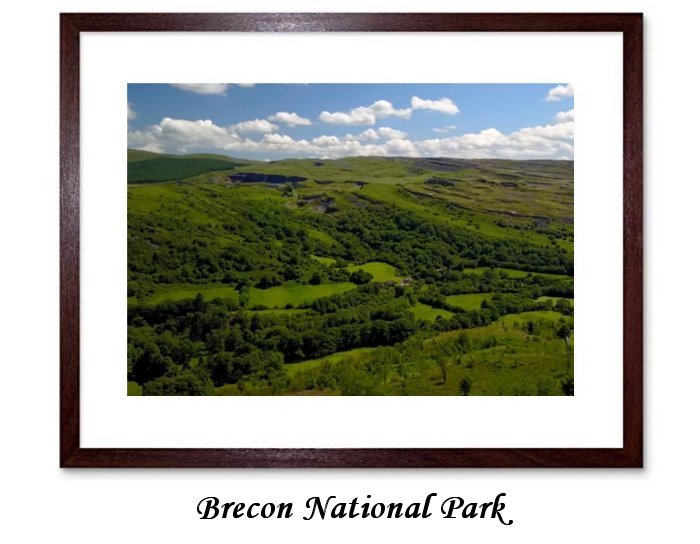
(381, 272)
(295, 294)
(469, 301)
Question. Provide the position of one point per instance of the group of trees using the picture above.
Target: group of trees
(194, 345)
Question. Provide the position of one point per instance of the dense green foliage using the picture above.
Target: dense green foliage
(240, 287)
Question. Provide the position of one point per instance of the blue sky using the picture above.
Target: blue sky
(273, 121)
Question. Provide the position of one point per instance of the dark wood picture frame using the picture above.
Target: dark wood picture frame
(73, 455)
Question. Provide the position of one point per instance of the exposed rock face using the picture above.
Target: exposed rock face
(441, 181)
(446, 165)
(252, 177)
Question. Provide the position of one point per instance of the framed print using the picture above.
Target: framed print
(351, 240)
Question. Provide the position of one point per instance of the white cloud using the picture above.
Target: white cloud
(202, 88)
(326, 141)
(384, 108)
(390, 133)
(260, 126)
(290, 119)
(277, 139)
(380, 133)
(540, 142)
(358, 116)
(564, 116)
(381, 109)
(444, 105)
(552, 141)
(369, 134)
(365, 115)
(559, 92)
(445, 129)
(245, 85)
(130, 112)
(401, 147)
(180, 136)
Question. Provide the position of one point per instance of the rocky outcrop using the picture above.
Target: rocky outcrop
(252, 177)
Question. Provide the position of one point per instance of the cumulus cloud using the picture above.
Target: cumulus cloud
(369, 134)
(358, 116)
(559, 92)
(379, 134)
(401, 147)
(390, 133)
(551, 141)
(202, 88)
(245, 84)
(365, 115)
(381, 109)
(384, 108)
(540, 142)
(181, 135)
(290, 119)
(443, 105)
(564, 116)
(130, 112)
(260, 126)
(445, 129)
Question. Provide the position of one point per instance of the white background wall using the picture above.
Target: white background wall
(42, 502)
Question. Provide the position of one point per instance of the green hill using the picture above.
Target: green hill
(145, 166)
(133, 155)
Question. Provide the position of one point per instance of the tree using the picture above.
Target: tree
(463, 343)
(150, 364)
(465, 386)
(266, 282)
(221, 367)
(442, 363)
(291, 273)
(316, 279)
(567, 386)
(186, 383)
(360, 277)
(563, 332)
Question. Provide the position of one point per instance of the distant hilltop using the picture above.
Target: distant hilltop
(148, 167)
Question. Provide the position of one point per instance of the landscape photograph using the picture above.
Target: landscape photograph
(350, 239)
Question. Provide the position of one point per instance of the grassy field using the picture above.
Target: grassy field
(185, 292)
(133, 389)
(554, 299)
(280, 312)
(328, 261)
(501, 360)
(349, 355)
(512, 273)
(544, 316)
(295, 294)
(320, 236)
(381, 272)
(470, 301)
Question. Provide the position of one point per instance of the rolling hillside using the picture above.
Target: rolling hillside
(375, 275)
(145, 166)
